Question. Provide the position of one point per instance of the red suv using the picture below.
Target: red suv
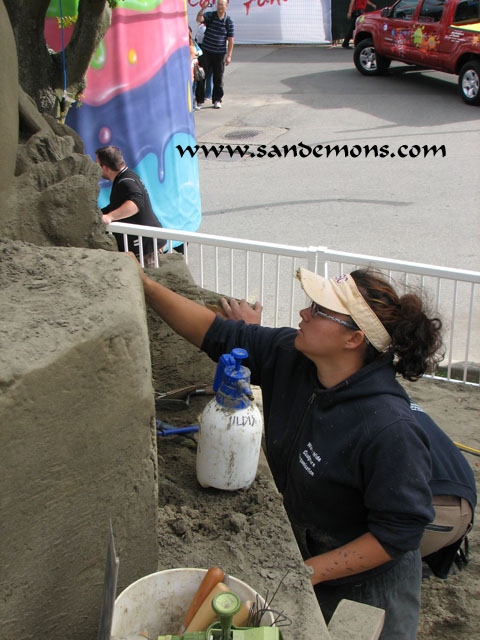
(437, 34)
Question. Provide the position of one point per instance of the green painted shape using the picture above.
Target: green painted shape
(418, 37)
(69, 8)
(139, 5)
(99, 56)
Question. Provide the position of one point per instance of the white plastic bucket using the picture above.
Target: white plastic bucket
(156, 604)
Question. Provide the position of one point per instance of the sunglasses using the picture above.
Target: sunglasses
(315, 311)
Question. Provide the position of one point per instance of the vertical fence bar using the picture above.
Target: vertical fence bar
(437, 296)
(312, 259)
(452, 330)
(277, 287)
(201, 265)
(262, 278)
(320, 262)
(469, 329)
(140, 249)
(292, 292)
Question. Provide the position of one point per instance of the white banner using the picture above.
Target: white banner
(274, 21)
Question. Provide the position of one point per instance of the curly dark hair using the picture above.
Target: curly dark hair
(416, 337)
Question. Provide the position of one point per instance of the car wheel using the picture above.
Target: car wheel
(367, 61)
(469, 82)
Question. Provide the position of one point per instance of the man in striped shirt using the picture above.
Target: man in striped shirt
(217, 47)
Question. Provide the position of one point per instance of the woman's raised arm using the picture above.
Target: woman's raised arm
(186, 317)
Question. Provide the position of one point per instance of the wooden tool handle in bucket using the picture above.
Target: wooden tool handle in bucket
(213, 576)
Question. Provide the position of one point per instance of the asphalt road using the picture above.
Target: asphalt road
(420, 209)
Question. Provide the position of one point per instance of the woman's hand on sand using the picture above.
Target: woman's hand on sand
(242, 310)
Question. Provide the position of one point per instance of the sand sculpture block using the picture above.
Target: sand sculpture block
(77, 437)
(356, 621)
(8, 102)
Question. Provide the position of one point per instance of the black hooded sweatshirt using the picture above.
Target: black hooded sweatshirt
(348, 460)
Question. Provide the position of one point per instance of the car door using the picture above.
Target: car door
(428, 32)
(462, 32)
(397, 30)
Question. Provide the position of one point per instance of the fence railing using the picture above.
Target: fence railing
(265, 271)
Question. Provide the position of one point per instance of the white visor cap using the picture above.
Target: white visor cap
(342, 295)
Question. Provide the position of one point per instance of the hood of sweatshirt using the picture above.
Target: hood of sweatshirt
(374, 379)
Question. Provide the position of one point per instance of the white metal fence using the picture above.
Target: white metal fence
(265, 271)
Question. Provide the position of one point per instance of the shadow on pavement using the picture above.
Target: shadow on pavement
(434, 98)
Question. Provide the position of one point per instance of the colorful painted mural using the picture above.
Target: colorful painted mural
(138, 98)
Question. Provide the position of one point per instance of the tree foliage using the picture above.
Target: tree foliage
(41, 69)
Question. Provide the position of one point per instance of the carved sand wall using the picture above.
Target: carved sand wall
(77, 438)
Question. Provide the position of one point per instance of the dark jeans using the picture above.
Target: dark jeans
(397, 590)
(213, 63)
(351, 27)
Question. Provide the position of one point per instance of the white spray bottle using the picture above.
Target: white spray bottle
(231, 427)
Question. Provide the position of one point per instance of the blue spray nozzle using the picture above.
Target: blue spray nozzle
(232, 380)
(233, 359)
(239, 355)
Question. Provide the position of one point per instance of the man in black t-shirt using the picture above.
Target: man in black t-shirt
(129, 201)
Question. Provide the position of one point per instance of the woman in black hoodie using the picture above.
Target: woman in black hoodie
(351, 460)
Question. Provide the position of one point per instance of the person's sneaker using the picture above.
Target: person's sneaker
(197, 107)
(217, 105)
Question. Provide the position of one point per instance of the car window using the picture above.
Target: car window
(404, 10)
(467, 11)
(431, 11)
